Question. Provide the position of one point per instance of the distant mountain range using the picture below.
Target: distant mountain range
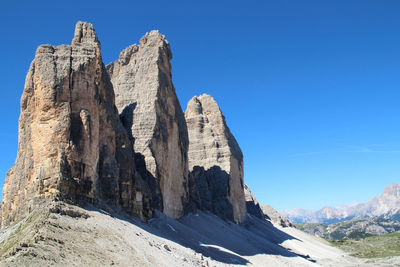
(386, 206)
(356, 228)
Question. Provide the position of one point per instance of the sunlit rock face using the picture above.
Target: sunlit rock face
(215, 161)
(150, 111)
(72, 145)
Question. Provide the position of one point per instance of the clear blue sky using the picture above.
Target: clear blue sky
(310, 89)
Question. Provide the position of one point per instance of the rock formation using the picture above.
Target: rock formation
(90, 133)
(72, 145)
(215, 161)
(265, 212)
(252, 205)
(150, 111)
(271, 214)
(391, 191)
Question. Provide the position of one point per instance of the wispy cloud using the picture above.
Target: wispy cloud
(312, 153)
(349, 149)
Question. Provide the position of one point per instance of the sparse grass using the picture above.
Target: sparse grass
(302, 226)
(20, 234)
(378, 246)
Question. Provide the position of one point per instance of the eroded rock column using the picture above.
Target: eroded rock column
(150, 111)
(215, 161)
(72, 145)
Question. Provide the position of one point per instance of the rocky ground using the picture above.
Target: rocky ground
(62, 234)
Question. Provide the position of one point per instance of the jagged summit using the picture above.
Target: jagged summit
(85, 34)
(386, 206)
(392, 190)
(154, 37)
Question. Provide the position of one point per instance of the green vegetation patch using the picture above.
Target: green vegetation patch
(22, 234)
(303, 226)
(378, 246)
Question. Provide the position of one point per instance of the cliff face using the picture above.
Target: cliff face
(72, 145)
(263, 211)
(117, 134)
(215, 161)
(271, 214)
(252, 205)
(391, 191)
(150, 111)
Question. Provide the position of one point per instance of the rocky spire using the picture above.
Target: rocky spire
(85, 34)
(72, 145)
(215, 161)
(150, 111)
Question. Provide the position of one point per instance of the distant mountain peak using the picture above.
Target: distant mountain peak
(392, 190)
(386, 206)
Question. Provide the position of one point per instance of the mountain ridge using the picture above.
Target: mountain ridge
(387, 205)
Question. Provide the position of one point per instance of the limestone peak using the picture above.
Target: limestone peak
(153, 37)
(85, 34)
(202, 104)
(215, 161)
(392, 190)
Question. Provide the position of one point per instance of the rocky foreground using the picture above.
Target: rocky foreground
(66, 235)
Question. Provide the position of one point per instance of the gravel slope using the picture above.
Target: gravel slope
(65, 235)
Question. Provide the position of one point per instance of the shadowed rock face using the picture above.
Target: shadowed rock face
(263, 211)
(212, 145)
(72, 145)
(274, 216)
(150, 111)
(253, 207)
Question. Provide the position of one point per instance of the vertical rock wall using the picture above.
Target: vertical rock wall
(253, 207)
(150, 111)
(80, 142)
(72, 145)
(215, 161)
